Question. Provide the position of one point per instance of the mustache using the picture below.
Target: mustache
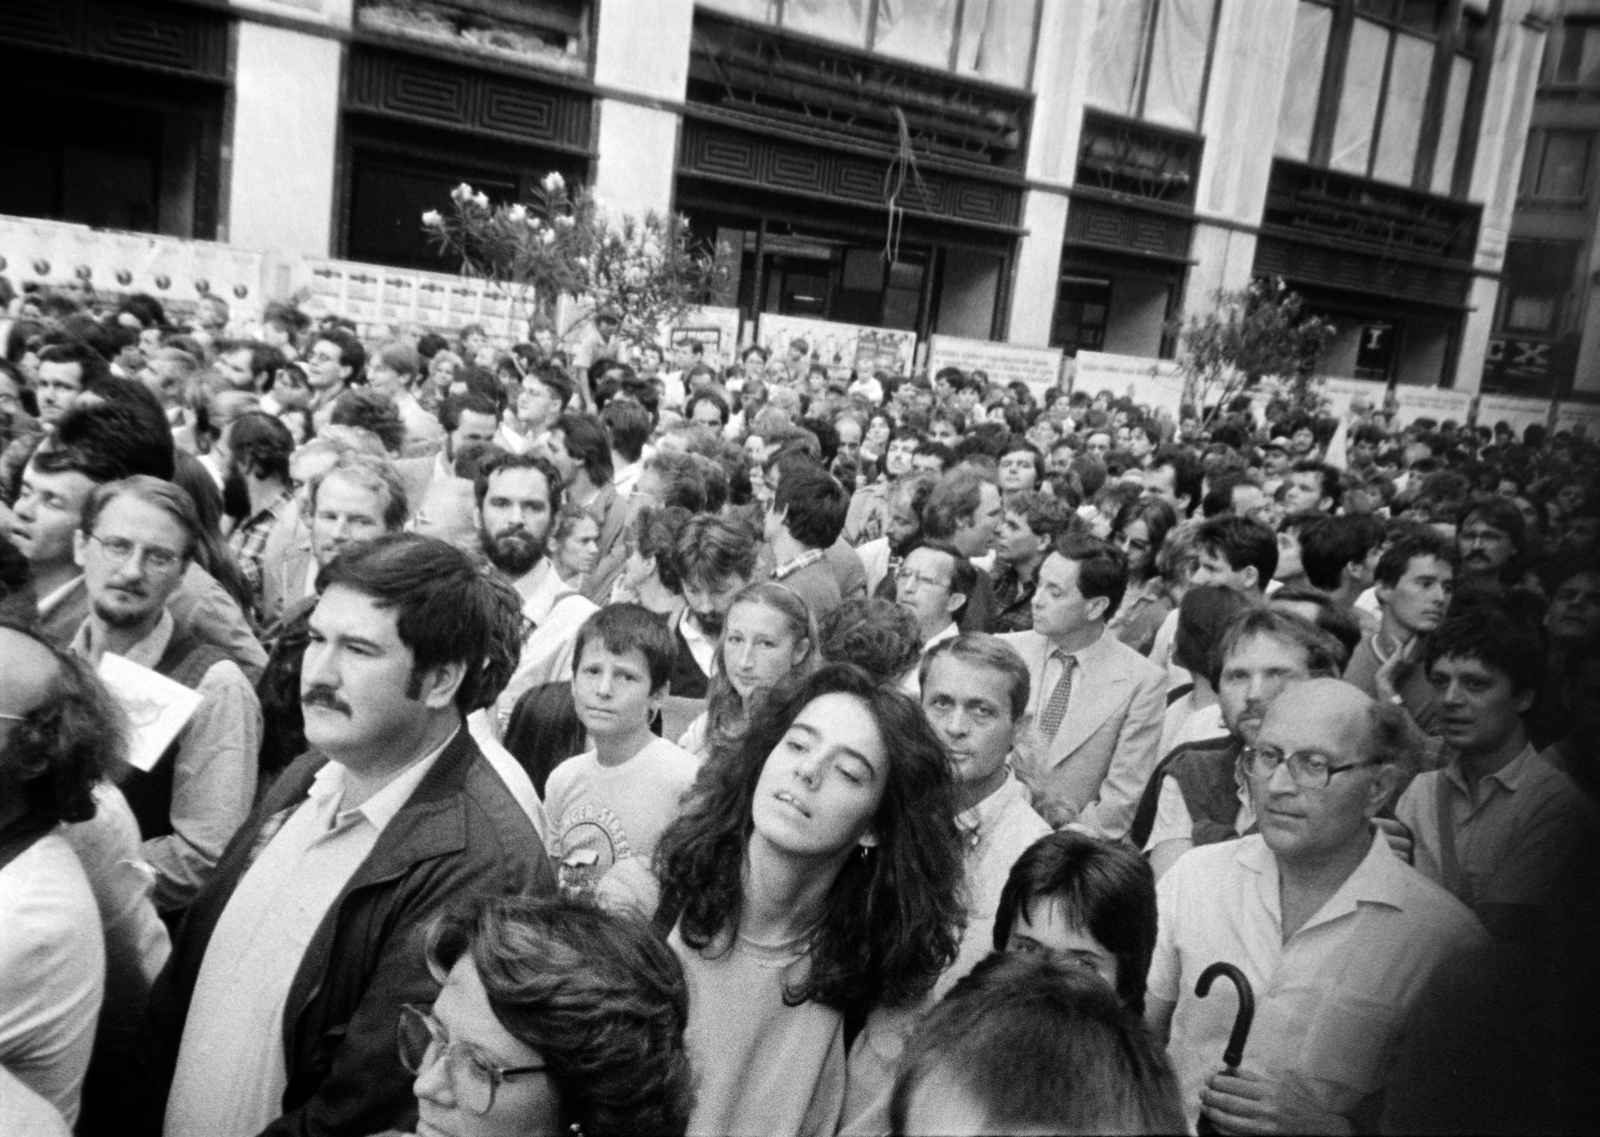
(322, 695)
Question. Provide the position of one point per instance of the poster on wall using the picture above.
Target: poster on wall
(1412, 403)
(1004, 363)
(1517, 413)
(1157, 383)
(388, 301)
(1342, 394)
(176, 272)
(1582, 419)
(840, 347)
(716, 330)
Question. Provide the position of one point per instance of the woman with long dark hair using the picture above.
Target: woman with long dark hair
(812, 877)
(1139, 529)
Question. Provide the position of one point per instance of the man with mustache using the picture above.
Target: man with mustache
(276, 1013)
(1198, 795)
(518, 498)
(1490, 537)
(1414, 581)
(133, 544)
(716, 557)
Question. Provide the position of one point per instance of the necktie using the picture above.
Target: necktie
(1056, 708)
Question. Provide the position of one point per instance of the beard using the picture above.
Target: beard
(120, 617)
(710, 623)
(514, 551)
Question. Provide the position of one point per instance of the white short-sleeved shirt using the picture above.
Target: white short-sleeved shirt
(1331, 1003)
(602, 817)
(52, 971)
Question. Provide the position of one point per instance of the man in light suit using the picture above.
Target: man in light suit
(1096, 704)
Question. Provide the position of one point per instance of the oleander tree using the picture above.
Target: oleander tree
(1255, 336)
(565, 243)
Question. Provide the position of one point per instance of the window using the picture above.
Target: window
(1572, 56)
(1535, 284)
(1556, 165)
(1381, 88)
(991, 39)
(1149, 59)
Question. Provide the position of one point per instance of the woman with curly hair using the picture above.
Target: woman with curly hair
(812, 878)
(769, 636)
(555, 1017)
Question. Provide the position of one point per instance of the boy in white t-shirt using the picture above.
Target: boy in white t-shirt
(608, 807)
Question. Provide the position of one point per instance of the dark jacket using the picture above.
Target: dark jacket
(460, 833)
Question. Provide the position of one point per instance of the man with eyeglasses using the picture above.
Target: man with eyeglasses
(933, 584)
(1337, 935)
(336, 363)
(1199, 794)
(133, 544)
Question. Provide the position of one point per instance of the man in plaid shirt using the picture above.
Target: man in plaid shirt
(259, 447)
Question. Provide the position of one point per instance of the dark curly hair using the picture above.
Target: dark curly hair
(891, 920)
(74, 739)
(598, 994)
(875, 634)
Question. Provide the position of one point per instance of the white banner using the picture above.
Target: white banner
(1436, 403)
(1342, 393)
(1516, 412)
(388, 301)
(1155, 382)
(716, 330)
(1004, 363)
(176, 272)
(1579, 418)
(840, 347)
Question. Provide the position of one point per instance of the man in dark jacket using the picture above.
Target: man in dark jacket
(277, 1011)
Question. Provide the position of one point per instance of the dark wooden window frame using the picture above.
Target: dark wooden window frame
(1449, 43)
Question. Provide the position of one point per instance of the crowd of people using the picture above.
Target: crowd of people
(600, 741)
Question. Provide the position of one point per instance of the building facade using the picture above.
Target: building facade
(1076, 173)
(1546, 338)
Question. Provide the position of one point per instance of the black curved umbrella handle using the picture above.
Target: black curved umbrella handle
(1234, 1054)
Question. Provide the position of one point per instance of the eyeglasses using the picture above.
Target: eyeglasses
(905, 576)
(423, 1041)
(1310, 769)
(119, 549)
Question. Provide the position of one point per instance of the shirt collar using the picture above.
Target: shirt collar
(949, 632)
(49, 604)
(327, 789)
(1510, 777)
(790, 567)
(1378, 879)
(273, 509)
(978, 822)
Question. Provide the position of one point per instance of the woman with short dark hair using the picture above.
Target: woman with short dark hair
(555, 1017)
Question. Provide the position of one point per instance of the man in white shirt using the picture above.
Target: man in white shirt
(975, 694)
(277, 1011)
(55, 744)
(1336, 935)
(518, 498)
(393, 371)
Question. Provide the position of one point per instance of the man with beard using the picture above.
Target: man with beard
(715, 558)
(134, 542)
(1415, 579)
(1198, 794)
(518, 498)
